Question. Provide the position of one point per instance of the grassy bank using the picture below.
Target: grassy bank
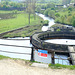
(59, 66)
(56, 66)
(26, 31)
(3, 57)
(20, 21)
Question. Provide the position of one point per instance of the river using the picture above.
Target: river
(51, 21)
(28, 50)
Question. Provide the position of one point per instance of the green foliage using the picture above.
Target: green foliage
(51, 13)
(3, 57)
(50, 5)
(73, 21)
(38, 9)
(46, 11)
(58, 30)
(20, 21)
(57, 14)
(9, 4)
(70, 8)
(46, 22)
(59, 66)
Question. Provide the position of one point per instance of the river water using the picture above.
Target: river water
(51, 21)
(28, 50)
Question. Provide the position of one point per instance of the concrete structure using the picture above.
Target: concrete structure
(37, 40)
(72, 55)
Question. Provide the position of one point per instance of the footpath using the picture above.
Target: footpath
(20, 67)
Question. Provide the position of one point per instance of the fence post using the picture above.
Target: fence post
(52, 57)
(32, 54)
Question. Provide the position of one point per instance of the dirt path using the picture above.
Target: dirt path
(18, 67)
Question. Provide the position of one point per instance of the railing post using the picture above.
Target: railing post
(32, 54)
(52, 57)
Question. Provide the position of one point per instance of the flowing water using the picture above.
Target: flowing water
(13, 41)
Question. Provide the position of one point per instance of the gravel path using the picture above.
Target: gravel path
(19, 67)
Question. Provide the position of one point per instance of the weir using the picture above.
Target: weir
(37, 40)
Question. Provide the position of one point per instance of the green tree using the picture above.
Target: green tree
(51, 13)
(62, 19)
(46, 11)
(38, 9)
(73, 21)
(50, 5)
(30, 7)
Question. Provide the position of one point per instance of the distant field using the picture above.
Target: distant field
(20, 21)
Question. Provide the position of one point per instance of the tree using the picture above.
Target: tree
(30, 6)
(73, 21)
(46, 11)
(65, 2)
(38, 9)
(62, 19)
(50, 5)
(42, 1)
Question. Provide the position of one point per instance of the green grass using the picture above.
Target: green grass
(3, 57)
(3, 11)
(20, 21)
(59, 66)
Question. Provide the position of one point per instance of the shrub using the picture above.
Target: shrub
(46, 22)
(57, 15)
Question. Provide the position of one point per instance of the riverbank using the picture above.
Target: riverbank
(18, 67)
(19, 21)
(22, 32)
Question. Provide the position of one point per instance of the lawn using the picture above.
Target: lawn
(21, 20)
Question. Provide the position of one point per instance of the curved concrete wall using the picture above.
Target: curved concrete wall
(37, 40)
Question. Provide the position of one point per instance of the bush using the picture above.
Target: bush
(57, 15)
(51, 13)
(46, 22)
(70, 8)
(58, 30)
(73, 21)
(46, 11)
